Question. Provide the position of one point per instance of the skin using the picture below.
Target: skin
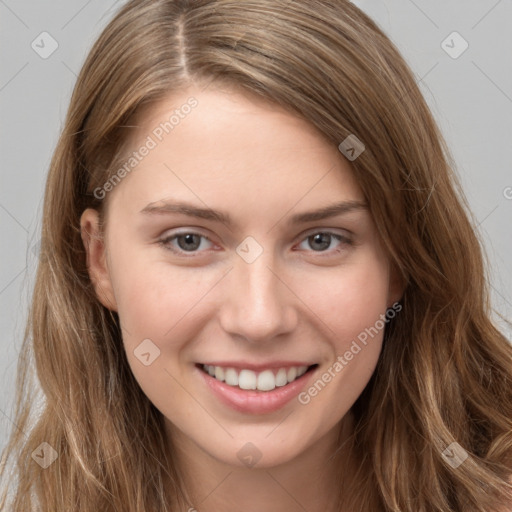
(260, 164)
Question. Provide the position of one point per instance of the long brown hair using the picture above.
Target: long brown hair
(445, 372)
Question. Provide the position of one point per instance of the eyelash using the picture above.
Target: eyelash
(165, 242)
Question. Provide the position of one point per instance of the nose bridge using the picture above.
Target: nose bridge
(257, 304)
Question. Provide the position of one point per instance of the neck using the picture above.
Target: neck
(312, 481)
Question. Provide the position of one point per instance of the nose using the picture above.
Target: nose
(257, 304)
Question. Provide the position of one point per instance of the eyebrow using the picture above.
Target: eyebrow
(183, 208)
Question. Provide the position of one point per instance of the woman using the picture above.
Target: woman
(259, 287)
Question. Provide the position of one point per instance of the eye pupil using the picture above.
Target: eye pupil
(323, 239)
(190, 239)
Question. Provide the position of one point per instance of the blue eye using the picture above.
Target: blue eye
(322, 240)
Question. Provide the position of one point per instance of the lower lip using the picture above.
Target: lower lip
(255, 402)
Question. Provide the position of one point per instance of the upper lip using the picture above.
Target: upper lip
(246, 365)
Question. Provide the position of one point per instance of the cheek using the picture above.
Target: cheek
(349, 299)
(156, 300)
(158, 307)
(359, 306)
(351, 305)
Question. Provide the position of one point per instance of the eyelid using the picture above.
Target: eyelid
(332, 231)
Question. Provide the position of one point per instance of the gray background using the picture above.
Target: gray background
(470, 96)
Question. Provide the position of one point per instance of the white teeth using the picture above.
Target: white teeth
(266, 380)
(231, 377)
(247, 379)
(219, 373)
(292, 374)
(281, 379)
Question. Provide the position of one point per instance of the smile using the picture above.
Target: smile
(246, 379)
(255, 389)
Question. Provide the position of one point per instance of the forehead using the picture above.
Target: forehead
(219, 144)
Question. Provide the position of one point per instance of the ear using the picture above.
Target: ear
(94, 243)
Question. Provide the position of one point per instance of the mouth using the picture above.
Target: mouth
(265, 380)
(255, 389)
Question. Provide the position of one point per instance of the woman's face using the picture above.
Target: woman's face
(238, 248)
